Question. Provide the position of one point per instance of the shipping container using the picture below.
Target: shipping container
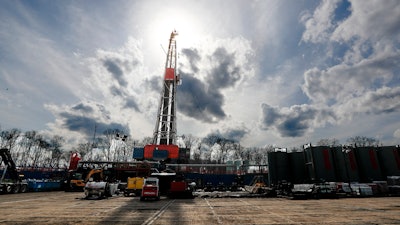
(138, 153)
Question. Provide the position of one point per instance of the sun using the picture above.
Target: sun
(170, 19)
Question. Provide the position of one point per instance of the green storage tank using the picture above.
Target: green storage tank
(345, 164)
(389, 159)
(368, 163)
(278, 167)
(297, 167)
(319, 164)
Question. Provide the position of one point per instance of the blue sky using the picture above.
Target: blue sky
(274, 72)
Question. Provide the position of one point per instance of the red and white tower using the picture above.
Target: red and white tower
(165, 130)
(164, 137)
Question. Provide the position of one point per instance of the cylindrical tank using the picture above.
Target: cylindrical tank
(345, 165)
(297, 167)
(319, 163)
(389, 159)
(278, 167)
(368, 163)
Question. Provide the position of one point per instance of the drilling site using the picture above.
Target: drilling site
(319, 185)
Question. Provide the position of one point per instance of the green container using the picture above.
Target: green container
(298, 173)
(389, 159)
(345, 165)
(369, 165)
(320, 164)
(278, 167)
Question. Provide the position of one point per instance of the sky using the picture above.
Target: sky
(271, 72)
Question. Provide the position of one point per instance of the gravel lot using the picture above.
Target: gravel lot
(71, 208)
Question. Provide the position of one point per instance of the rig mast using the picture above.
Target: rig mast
(165, 130)
(163, 146)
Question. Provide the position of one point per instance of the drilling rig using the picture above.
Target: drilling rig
(164, 146)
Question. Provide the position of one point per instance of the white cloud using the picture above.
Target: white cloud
(319, 24)
(396, 133)
(370, 20)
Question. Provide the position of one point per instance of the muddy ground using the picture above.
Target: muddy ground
(71, 208)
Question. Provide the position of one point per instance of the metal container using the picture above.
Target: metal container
(278, 167)
(160, 154)
(389, 159)
(138, 153)
(345, 165)
(297, 167)
(319, 164)
(368, 163)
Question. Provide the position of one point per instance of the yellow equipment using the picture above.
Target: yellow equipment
(134, 185)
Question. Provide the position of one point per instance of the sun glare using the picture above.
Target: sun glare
(174, 19)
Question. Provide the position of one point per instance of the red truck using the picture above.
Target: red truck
(151, 189)
(181, 189)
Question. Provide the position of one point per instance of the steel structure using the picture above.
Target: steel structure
(163, 145)
(165, 130)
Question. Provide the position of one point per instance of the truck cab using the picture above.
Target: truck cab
(151, 189)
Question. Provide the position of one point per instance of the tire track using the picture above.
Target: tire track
(159, 213)
(213, 211)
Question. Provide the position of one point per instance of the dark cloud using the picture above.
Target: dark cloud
(295, 121)
(154, 83)
(235, 134)
(196, 101)
(231, 134)
(103, 111)
(115, 70)
(131, 103)
(269, 115)
(204, 101)
(86, 125)
(193, 58)
(116, 91)
(225, 73)
(82, 108)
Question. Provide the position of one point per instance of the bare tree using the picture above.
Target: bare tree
(328, 142)
(40, 146)
(363, 141)
(224, 145)
(83, 149)
(189, 140)
(9, 138)
(56, 151)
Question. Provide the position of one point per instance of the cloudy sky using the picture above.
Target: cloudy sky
(270, 72)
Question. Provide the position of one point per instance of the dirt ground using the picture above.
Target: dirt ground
(71, 208)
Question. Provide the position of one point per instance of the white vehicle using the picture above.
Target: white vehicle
(151, 189)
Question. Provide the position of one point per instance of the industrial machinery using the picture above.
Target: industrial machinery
(75, 181)
(164, 146)
(97, 185)
(11, 181)
(181, 188)
(134, 186)
(151, 189)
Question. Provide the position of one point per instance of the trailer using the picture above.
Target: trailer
(11, 181)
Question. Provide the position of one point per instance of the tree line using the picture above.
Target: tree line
(33, 149)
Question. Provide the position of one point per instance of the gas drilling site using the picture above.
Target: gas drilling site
(331, 185)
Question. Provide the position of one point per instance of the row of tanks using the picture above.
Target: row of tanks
(327, 169)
